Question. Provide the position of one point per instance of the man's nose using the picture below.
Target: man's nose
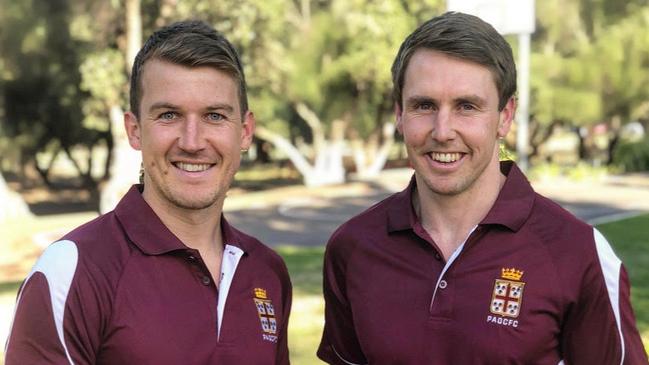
(190, 136)
(443, 126)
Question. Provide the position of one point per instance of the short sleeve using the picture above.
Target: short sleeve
(56, 319)
(339, 344)
(600, 328)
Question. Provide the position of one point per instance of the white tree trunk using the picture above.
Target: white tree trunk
(12, 204)
(125, 168)
(328, 166)
(369, 168)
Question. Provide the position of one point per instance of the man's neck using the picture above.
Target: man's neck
(449, 219)
(199, 229)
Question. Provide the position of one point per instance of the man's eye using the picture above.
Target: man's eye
(467, 107)
(215, 116)
(167, 116)
(425, 106)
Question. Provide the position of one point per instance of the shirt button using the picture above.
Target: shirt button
(191, 258)
(438, 256)
(206, 280)
(443, 284)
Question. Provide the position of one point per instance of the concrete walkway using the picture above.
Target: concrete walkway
(307, 217)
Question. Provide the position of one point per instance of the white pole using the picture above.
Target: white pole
(522, 135)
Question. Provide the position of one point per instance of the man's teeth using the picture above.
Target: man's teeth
(445, 157)
(192, 167)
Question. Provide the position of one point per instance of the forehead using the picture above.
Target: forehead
(165, 80)
(434, 71)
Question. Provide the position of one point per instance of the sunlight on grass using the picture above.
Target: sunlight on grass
(307, 315)
(305, 329)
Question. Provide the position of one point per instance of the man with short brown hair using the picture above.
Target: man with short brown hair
(164, 278)
(468, 265)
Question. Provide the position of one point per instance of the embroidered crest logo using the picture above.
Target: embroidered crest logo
(508, 293)
(266, 314)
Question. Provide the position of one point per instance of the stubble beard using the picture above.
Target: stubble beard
(182, 197)
(457, 185)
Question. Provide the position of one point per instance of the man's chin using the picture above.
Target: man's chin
(193, 202)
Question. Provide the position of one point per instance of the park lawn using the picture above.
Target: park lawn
(629, 238)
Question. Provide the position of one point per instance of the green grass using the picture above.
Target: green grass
(307, 315)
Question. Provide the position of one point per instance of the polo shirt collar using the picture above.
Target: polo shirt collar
(515, 200)
(145, 229)
(401, 213)
(511, 208)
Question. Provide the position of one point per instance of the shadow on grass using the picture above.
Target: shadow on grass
(305, 267)
(630, 240)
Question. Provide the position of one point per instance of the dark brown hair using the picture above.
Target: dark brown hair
(466, 37)
(188, 43)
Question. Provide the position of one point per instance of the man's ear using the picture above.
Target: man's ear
(397, 114)
(248, 124)
(506, 117)
(133, 130)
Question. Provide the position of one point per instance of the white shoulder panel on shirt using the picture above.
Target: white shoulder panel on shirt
(58, 264)
(611, 266)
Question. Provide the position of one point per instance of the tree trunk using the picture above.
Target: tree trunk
(126, 162)
(328, 166)
(370, 158)
(12, 204)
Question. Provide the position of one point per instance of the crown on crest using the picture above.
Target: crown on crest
(512, 274)
(260, 293)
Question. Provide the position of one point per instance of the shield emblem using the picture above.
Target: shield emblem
(507, 298)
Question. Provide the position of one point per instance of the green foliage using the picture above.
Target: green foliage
(62, 62)
(632, 156)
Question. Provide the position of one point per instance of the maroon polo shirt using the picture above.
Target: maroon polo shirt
(530, 285)
(123, 289)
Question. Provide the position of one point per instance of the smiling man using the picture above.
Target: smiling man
(468, 265)
(164, 279)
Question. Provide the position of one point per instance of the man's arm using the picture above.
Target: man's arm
(339, 344)
(52, 324)
(601, 328)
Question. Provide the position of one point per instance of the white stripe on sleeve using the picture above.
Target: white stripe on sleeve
(611, 266)
(58, 264)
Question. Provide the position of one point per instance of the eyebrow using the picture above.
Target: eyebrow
(215, 107)
(473, 99)
(420, 99)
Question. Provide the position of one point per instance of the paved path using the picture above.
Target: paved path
(307, 217)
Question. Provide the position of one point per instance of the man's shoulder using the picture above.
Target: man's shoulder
(371, 222)
(89, 258)
(549, 212)
(99, 234)
(556, 226)
(100, 243)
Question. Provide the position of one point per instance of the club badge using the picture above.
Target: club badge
(266, 314)
(508, 293)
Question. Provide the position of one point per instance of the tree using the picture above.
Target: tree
(589, 66)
